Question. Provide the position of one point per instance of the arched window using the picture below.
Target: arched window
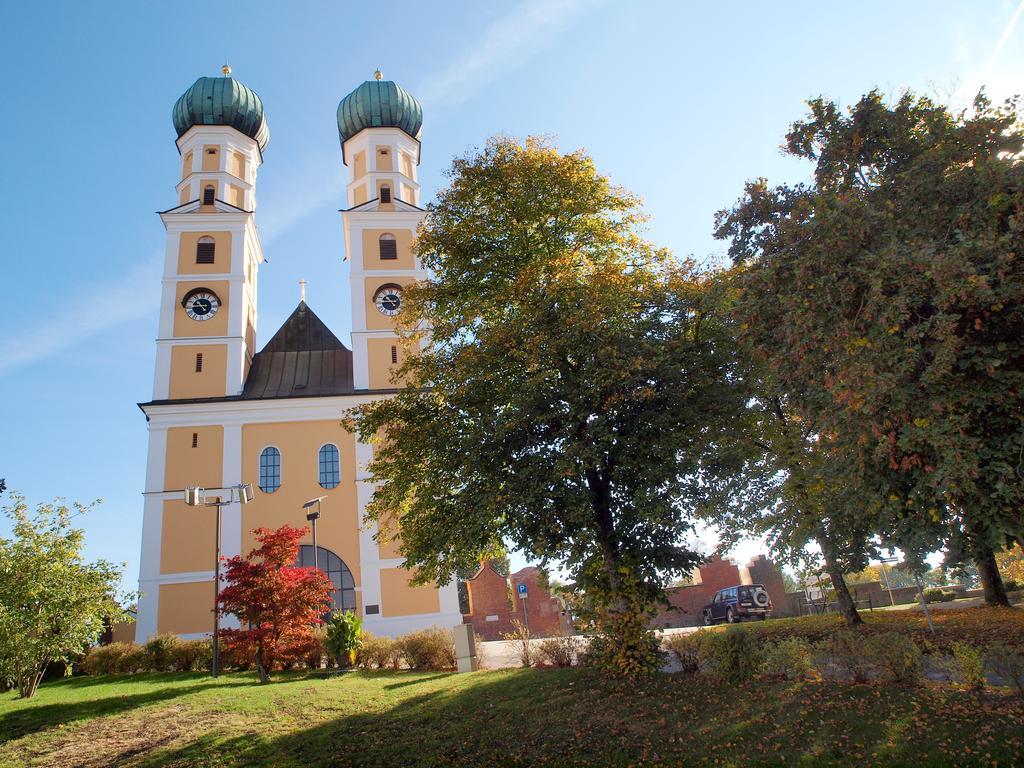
(330, 466)
(388, 246)
(209, 194)
(205, 250)
(270, 469)
(343, 596)
(385, 194)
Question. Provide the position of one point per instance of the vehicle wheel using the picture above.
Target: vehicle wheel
(730, 616)
(763, 616)
(707, 619)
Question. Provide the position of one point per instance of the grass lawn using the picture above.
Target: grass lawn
(509, 717)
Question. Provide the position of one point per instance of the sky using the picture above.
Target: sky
(679, 102)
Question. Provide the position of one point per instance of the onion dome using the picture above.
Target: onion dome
(379, 104)
(222, 101)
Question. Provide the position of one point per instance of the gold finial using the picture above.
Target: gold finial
(226, 69)
(378, 75)
(302, 289)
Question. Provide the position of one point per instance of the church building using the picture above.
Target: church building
(224, 414)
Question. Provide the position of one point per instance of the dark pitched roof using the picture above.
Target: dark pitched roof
(303, 359)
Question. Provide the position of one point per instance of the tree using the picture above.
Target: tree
(278, 604)
(887, 293)
(1011, 564)
(571, 379)
(53, 605)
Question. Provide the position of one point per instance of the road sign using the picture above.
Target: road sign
(521, 590)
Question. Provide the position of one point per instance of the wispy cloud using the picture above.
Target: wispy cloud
(997, 83)
(125, 299)
(505, 44)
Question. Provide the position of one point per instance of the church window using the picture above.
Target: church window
(343, 593)
(394, 354)
(270, 469)
(208, 195)
(330, 466)
(195, 439)
(388, 246)
(385, 194)
(199, 362)
(205, 250)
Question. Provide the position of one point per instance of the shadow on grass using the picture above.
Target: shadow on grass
(417, 681)
(28, 716)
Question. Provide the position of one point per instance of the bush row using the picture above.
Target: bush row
(854, 655)
(429, 649)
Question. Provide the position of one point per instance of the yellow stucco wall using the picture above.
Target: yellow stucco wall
(385, 160)
(359, 165)
(187, 253)
(184, 608)
(403, 246)
(187, 539)
(186, 382)
(216, 325)
(299, 443)
(185, 195)
(406, 165)
(201, 466)
(375, 319)
(211, 162)
(359, 195)
(237, 165)
(379, 359)
(398, 598)
(186, 164)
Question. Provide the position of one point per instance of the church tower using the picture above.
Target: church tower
(379, 128)
(208, 305)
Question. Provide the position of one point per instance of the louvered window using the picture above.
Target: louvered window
(385, 194)
(195, 439)
(208, 195)
(388, 247)
(199, 362)
(394, 355)
(205, 249)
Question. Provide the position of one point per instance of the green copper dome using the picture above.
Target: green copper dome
(379, 104)
(221, 101)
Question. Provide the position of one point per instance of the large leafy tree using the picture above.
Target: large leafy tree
(278, 604)
(887, 294)
(53, 604)
(571, 380)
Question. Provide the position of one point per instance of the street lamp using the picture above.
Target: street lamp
(312, 517)
(885, 575)
(196, 497)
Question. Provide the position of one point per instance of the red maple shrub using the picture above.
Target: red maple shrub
(278, 604)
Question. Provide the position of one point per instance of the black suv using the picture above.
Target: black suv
(734, 604)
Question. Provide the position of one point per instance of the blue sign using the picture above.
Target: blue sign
(521, 589)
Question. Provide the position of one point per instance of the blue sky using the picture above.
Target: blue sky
(679, 102)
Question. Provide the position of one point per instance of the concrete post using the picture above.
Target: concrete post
(465, 648)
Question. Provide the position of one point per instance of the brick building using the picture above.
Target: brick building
(494, 603)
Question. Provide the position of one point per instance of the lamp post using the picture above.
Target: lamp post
(196, 497)
(885, 575)
(312, 517)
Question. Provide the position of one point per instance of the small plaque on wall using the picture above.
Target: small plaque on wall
(372, 609)
(491, 618)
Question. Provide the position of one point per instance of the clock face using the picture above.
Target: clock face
(202, 306)
(388, 300)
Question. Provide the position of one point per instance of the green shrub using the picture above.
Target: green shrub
(161, 652)
(686, 648)
(105, 659)
(379, 653)
(428, 649)
(1007, 661)
(344, 636)
(731, 656)
(135, 659)
(787, 659)
(939, 595)
(846, 651)
(559, 651)
(967, 666)
(625, 645)
(192, 655)
(896, 656)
